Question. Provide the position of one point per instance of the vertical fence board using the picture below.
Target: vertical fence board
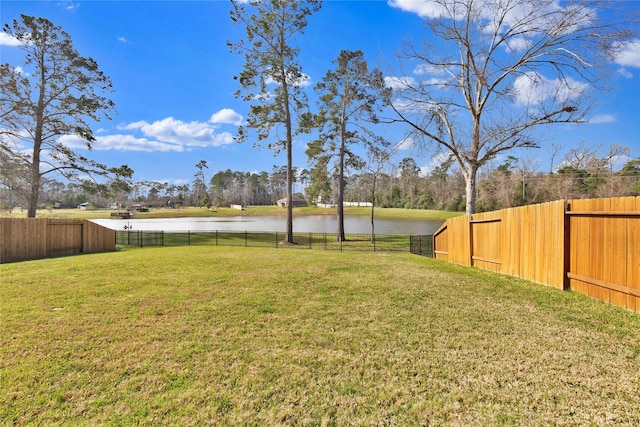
(539, 243)
(608, 262)
(527, 243)
(441, 242)
(459, 240)
(579, 229)
(506, 254)
(596, 248)
(633, 254)
(515, 239)
(544, 229)
(559, 243)
(617, 251)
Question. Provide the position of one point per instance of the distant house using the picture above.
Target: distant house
(137, 208)
(296, 201)
(83, 206)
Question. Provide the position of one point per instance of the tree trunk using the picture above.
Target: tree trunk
(470, 189)
(289, 143)
(289, 191)
(373, 208)
(340, 202)
(34, 195)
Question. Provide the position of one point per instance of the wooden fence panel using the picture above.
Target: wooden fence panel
(486, 238)
(32, 238)
(97, 238)
(459, 240)
(441, 242)
(605, 249)
(64, 237)
(593, 248)
(22, 238)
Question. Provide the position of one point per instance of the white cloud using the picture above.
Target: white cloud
(119, 143)
(303, 80)
(425, 9)
(18, 69)
(529, 17)
(629, 54)
(192, 134)
(518, 44)
(534, 89)
(226, 115)
(625, 73)
(603, 118)
(399, 83)
(437, 79)
(435, 161)
(7, 40)
(417, 106)
(68, 5)
(122, 40)
(164, 135)
(405, 144)
(423, 69)
(485, 9)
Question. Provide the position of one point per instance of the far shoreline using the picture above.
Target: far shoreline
(190, 212)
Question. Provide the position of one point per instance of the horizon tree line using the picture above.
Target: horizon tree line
(512, 182)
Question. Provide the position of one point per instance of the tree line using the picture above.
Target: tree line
(513, 182)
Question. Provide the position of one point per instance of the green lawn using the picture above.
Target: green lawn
(229, 336)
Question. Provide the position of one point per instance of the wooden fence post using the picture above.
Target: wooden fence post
(566, 262)
(470, 240)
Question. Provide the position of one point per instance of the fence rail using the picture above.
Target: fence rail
(421, 245)
(590, 246)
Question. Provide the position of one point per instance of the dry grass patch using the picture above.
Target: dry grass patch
(200, 335)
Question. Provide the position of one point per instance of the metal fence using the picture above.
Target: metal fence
(421, 245)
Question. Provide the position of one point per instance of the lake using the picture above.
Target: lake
(306, 224)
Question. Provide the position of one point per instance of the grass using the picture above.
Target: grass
(236, 336)
(249, 210)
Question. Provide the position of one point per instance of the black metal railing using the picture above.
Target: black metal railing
(421, 245)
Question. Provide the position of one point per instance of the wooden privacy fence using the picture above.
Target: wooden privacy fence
(31, 238)
(590, 246)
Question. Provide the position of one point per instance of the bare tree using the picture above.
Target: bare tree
(378, 156)
(583, 157)
(500, 70)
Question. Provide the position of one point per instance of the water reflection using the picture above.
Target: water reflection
(306, 224)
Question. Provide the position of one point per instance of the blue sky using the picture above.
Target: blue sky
(173, 78)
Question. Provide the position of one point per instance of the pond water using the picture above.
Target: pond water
(306, 224)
